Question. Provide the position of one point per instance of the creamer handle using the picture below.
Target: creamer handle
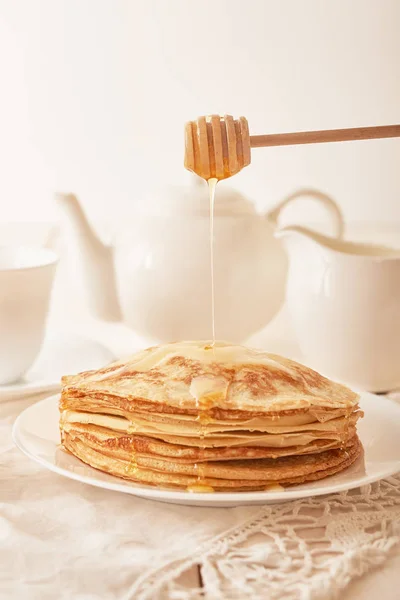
(335, 214)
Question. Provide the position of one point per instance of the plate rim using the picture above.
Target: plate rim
(241, 498)
(47, 383)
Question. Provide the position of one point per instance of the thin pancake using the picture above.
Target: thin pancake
(192, 375)
(209, 427)
(201, 436)
(126, 447)
(101, 403)
(224, 416)
(288, 472)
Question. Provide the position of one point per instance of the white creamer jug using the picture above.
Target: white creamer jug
(344, 299)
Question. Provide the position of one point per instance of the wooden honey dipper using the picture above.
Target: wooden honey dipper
(219, 147)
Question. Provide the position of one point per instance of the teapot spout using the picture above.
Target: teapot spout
(94, 259)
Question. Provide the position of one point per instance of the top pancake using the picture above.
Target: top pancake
(190, 377)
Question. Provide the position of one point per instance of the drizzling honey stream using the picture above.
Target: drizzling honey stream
(216, 148)
(204, 417)
(212, 184)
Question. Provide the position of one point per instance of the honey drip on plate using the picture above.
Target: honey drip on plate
(212, 184)
(274, 487)
(199, 488)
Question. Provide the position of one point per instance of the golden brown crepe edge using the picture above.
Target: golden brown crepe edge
(137, 475)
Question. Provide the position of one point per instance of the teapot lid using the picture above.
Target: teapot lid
(193, 200)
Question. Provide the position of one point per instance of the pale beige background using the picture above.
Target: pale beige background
(94, 94)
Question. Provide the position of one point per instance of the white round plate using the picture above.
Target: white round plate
(36, 433)
(60, 354)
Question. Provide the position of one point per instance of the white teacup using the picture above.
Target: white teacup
(26, 277)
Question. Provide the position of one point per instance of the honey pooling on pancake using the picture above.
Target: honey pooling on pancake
(206, 392)
(132, 467)
(201, 484)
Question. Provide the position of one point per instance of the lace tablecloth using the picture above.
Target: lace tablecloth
(60, 539)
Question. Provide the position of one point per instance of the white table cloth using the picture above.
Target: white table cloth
(60, 539)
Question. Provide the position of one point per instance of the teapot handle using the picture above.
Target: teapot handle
(328, 202)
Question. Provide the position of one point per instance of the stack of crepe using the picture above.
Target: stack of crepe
(210, 418)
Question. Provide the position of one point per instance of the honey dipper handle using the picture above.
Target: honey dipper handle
(328, 135)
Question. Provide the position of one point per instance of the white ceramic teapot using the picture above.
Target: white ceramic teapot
(344, 299)
(157, 275)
